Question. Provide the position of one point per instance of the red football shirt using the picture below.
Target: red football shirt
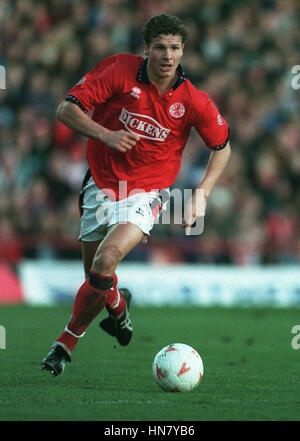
(122, 97)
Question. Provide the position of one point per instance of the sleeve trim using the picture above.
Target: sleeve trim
(221, 146)
(76, 101)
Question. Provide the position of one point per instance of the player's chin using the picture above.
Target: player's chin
(167, 74)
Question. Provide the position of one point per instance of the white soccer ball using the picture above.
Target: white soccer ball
(177, 368)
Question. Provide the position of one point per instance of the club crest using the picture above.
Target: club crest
(177, 110)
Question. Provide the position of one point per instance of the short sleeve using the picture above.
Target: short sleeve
(97, 86)
(210, 125)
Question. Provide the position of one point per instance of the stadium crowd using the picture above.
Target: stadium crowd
(240, 52)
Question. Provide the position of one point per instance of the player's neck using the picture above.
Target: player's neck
(162, 84)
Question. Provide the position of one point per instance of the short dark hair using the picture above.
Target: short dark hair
(164, 24)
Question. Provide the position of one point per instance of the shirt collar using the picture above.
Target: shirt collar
(142, 75)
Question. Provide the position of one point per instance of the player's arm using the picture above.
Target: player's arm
(76, 119)
(215, 167)
(196, 205)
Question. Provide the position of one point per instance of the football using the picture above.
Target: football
(177, 368)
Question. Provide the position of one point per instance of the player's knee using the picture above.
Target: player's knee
(107, 259)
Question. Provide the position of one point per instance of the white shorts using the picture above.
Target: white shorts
(98, 212)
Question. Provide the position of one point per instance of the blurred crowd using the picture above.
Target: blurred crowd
(240, 52)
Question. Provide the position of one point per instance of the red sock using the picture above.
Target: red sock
(115, 301)
(91, 298)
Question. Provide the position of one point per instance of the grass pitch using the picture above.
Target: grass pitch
(251, 371)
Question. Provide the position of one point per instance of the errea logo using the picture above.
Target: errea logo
(136, 92)
(143, 125)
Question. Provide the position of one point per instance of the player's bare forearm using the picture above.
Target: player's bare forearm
(215, 167)
(196, 205)
(74, 118)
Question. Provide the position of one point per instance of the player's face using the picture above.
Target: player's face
(164, 54)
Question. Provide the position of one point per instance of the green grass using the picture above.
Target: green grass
(251, 371)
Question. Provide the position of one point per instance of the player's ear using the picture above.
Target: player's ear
(146, 49)
(182, 47)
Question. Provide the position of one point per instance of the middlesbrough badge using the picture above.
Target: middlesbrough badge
(177, 110)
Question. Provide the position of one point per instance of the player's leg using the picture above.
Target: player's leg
(98, 291)
(60, 351)
(119, 241)
(98, 256)
(88, 250)
(112, 250)
(59, 354)
(93, 256)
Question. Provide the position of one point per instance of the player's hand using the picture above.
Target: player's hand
(194, 211)
(120, 140)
